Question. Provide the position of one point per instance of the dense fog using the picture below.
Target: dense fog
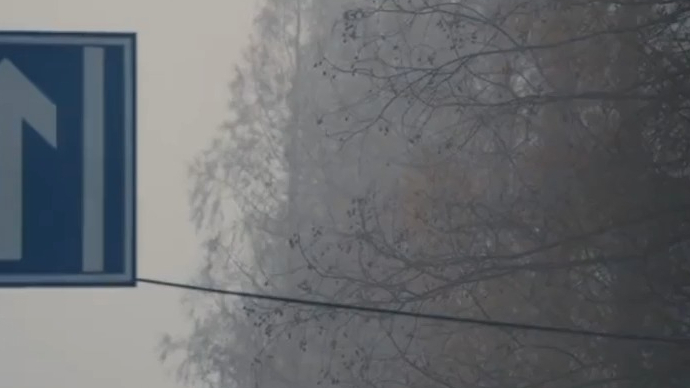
(515, 160)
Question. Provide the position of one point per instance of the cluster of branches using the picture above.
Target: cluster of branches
(521, 160)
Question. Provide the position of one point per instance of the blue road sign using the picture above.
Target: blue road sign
(67, 159)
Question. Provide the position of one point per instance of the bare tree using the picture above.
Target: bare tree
(515, 160)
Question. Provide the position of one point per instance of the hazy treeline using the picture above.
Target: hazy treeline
(521, 160)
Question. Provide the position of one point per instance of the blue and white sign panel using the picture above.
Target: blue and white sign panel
(67, 159)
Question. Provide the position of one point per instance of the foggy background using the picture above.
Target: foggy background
(513, 160)
(506, 160)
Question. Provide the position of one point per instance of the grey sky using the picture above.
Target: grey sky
(106, 338)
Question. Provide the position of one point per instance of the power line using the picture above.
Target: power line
(683, 341)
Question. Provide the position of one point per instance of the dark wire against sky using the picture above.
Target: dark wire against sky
(678, 341)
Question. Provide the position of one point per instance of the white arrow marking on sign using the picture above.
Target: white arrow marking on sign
(19, 100)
